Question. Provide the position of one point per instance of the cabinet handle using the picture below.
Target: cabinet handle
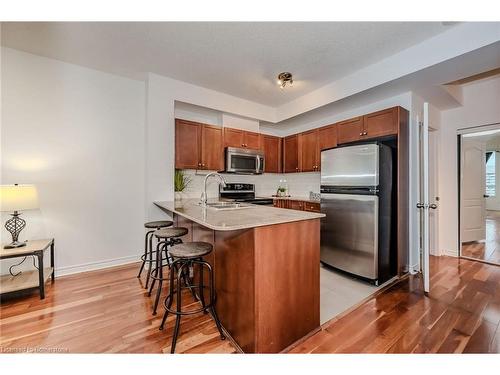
(360, 133)
(365, 133)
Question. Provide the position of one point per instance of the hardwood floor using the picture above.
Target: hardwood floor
(488, 250)
(460, 315)
(101, 312)
(108, 311)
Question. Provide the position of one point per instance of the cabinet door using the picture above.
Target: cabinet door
(312, 206)
(212, 152)
(381, 123)
(291, 154)
(350, 130)
(272, 153)
(234, 137)
(328, 137)
(297, 205)
(252, 140)
(309, 151)
(187, 144)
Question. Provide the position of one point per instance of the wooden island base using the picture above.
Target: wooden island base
(267, 281)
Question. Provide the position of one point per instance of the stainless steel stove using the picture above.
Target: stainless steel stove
(242, 193)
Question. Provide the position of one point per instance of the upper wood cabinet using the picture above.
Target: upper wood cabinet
(381, 123)
(212, 151)
(309, 151)
(252, 140)
(350, 130)
(291, 154)
(327, 137)
(374, 125)
(241, 139)
(187, 145)
(198, 146)
(272, 153)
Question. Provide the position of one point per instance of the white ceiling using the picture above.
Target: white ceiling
(241, 59)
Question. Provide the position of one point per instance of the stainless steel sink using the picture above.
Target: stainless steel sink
(228, 205)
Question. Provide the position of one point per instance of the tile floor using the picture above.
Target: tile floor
(339, 292)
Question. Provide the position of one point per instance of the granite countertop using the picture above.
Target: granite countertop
(234, 219)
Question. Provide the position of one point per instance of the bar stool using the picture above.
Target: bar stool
(147, 257)
(165, 237)
(186, 256)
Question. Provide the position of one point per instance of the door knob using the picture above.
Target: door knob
(420, 205)
(433, 206)
(486, 196)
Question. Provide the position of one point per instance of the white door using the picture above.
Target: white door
(472, 194)
(424, 205)
(433, 191)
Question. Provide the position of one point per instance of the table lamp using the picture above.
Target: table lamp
(14, 198)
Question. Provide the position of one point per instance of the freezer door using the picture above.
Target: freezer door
(350, 166)
(349, 233)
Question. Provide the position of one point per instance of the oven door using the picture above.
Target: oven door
(244, 161)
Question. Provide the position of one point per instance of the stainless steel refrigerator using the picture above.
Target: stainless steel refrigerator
(356, 196)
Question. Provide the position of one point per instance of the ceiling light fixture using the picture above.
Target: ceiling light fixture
(284, 79)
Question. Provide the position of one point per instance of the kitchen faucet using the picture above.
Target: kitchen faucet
(203, 199)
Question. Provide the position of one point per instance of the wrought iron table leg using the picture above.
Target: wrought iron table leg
(41, 284)
(52, 262)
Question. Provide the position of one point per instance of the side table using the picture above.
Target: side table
(29, 279)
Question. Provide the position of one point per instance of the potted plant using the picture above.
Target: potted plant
(181, 182)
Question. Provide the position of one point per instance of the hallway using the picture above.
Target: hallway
(488, 250)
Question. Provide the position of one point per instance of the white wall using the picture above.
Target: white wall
(196, 113)
(78, 135)
(481, 107)
(237, 122)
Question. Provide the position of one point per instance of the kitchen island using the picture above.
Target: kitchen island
(266, 263)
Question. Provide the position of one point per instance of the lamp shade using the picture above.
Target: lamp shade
(18, 197)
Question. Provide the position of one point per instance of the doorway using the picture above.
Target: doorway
(479, 194)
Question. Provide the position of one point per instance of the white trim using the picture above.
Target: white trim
(478, 128)
(450, 253)
(92, 266)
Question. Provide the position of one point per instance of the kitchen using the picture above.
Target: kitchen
(256, 162)
(186, 212)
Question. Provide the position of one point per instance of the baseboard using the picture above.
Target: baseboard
(92, 266)
(450, 253)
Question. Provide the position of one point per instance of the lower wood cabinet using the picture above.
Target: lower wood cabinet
(297, 205)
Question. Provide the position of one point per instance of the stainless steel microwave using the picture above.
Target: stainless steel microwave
(244, 161)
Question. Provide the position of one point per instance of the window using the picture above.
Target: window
(490, 173)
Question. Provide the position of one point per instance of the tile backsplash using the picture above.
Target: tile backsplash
(299, 184)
